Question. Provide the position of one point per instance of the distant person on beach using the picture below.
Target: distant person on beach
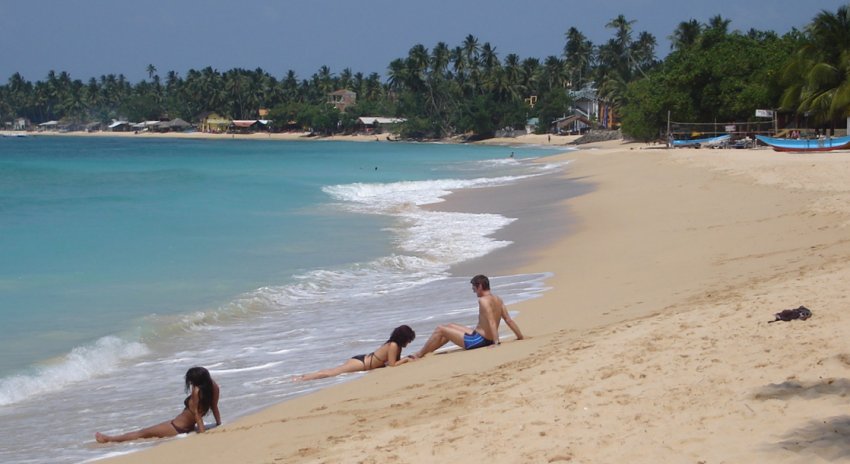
(491, 312)
(202, 399)
(388, 354)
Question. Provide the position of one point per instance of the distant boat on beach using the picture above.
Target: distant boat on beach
(805, 145)
(707, 141)
(16, 135)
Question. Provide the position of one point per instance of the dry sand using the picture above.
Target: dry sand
(652, 346)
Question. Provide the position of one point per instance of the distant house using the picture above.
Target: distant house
(175, 125)
(49, 125)
(589, 105)
(531, 125)
(145, 125)
(20, 124)
(247, 126)
(342, 99)
(212, 122)
(119, 126)
(574, 124)
(377, 123)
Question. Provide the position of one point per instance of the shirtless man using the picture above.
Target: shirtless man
(491, 311)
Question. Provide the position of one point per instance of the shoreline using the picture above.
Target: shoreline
(529, 139)
(653, 337)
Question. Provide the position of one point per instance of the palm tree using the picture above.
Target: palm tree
(531, 72)
(151, 71)
(440, 57)
(718, 24)
(578, 53)
(818, 76)
(470, 51)
(513, 75)
(554, 73)
(471, 57)
(397, 74)
(623, 34)
(418, 62)
(642, 52)
(686, 35)
(346, 79)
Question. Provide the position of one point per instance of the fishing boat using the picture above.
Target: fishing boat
(820, 144)
(707, 141)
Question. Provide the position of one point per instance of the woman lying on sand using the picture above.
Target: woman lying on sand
(202, 399)
(388, 354)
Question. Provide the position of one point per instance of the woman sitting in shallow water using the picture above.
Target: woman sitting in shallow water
(388, 354)
(202, 399)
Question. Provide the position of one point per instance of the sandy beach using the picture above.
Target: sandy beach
(653, 344)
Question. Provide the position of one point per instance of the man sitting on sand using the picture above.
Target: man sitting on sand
(491, 311)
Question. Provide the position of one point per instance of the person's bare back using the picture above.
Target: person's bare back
(491, 311)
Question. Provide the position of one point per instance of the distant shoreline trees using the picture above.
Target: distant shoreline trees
(467, 89)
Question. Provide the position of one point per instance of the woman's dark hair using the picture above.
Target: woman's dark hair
(402, 336)
(200, 377)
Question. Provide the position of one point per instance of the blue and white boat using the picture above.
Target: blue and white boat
(804, 145)
(707, 141)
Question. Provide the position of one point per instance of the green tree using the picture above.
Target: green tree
(817, 78)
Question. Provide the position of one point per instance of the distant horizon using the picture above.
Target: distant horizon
(101, 38)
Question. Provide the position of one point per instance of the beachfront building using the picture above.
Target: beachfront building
(49, 126)
(588, 104)
(212, 122)
(342, 99)
(248, 126)
(119, 126)
(144, 126)
(175, 125)
(573, 124)
(376, 124)
(21, 124)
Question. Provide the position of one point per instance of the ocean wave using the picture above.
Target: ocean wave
(82, 363)
(450, 237)
(382, 197)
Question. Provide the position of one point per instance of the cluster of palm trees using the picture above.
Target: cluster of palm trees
(470, 89)
(817, 77)
(444, 91)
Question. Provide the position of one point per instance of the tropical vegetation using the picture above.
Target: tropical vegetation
(711, 73)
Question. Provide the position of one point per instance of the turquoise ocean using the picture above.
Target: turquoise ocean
(123, 262)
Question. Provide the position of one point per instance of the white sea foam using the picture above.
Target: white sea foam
(255, 343)
(383, 198)
(82, 363)
(441, 238)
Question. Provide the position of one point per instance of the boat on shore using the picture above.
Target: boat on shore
(707, 141)
(806, 145)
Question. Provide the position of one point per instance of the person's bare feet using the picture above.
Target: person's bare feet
(101, 438)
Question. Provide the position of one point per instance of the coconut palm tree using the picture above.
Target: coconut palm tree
(623, 32)
(817, 78)
(686, 35)
(642, 52)
(397, 75)
(440, 57)
(578, 55)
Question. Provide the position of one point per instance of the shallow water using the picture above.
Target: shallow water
(125, 262)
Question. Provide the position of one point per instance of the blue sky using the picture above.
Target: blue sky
(88, 38)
